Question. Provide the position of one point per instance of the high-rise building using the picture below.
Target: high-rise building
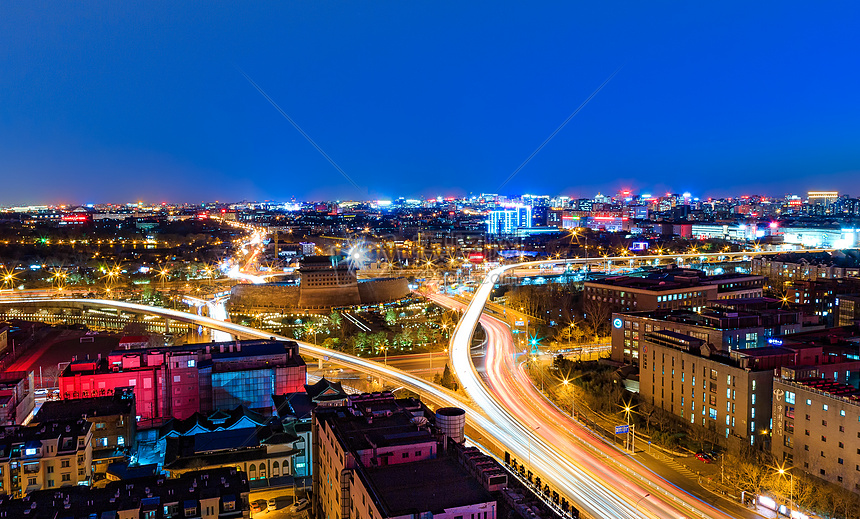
(508, 219)
(822, 197)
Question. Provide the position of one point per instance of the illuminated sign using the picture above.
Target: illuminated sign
(774, 341)
(617, 322)
(75, 218)
(476, 257)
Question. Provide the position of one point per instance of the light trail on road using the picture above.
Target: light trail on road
(596, 489)
(511, 399)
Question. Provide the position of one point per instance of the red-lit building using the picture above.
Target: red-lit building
(178, 381)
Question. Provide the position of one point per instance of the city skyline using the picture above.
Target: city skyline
(152, 104)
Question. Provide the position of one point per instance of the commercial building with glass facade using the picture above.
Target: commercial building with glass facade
(178, 381)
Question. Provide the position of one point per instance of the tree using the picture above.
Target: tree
(447, 380)
(50, 376)
(597, 314)
(360, 342)
(379, 340)
(390, 317)
(404, 338)
(336, 321)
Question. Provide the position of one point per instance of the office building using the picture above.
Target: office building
(730, 393)
(722, 325)
(506, 221)
(824, 198)
(671, 288)
(726, 394)
(816, 427)
(178, 381)
(847, 310)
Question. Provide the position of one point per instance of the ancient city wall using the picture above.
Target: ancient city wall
(274, 297)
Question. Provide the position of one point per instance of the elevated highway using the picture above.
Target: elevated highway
(598, 490)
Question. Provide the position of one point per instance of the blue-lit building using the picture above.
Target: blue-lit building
(506, 220)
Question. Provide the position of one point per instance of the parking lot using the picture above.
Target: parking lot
(283, 499)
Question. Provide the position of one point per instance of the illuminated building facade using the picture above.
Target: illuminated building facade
(506, 221)
(176, 382)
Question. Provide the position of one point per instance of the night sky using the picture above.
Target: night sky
(110, 102)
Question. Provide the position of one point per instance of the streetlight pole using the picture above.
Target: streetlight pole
(782, 471)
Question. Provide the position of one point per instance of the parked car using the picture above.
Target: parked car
(704, 457)
(258, 506)
(273, 504)
(299, 505)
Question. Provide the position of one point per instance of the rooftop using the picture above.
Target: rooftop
(121, 402)
(148, 493)
(831, 388)
(671, 278)
(425, 486)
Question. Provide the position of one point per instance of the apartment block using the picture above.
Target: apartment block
(113, 425)
(793, 266)
(176, 382)
(49, 455)
(216, 493)
(382, 457)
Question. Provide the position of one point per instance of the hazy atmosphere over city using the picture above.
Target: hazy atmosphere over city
(109, 101)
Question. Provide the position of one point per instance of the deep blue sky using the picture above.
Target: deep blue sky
(117, 102)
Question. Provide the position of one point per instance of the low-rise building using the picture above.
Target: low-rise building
(176, 382)
(380, 458)
(215, 493)
(17, 396)
(45, 456)
(113, 422)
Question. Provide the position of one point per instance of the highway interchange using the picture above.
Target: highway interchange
(505, 409)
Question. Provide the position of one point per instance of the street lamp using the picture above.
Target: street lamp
(567, 383)
(632, 439)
